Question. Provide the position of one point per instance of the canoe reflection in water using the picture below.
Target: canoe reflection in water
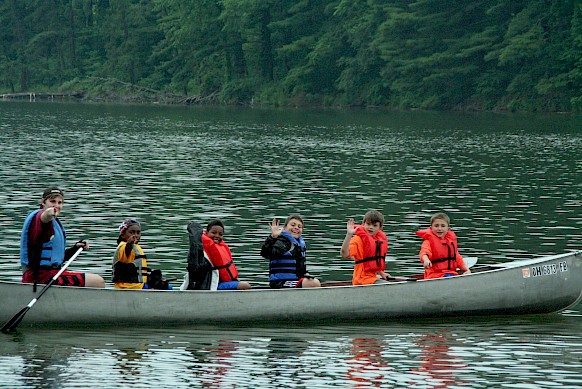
(437, 361)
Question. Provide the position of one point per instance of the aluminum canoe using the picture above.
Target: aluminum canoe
(536, 286)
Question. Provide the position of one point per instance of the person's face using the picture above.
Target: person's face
(439, 227)
(53, 202)
(132, 234)
(294, 227)
(215, 233)
(372, 228)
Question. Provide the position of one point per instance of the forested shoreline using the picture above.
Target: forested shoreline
(522, 55)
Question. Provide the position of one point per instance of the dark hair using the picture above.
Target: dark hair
(291, 217)
(374, 217)
(50, 192)
(125, 225)
(214, 222)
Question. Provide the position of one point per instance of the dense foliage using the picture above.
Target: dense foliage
(479, 54)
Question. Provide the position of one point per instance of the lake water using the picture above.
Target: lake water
(510, 182)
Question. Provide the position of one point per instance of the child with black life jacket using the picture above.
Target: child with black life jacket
(219, 254)
(439, 252)
(285, 250)
(130, 268)
(367, 245)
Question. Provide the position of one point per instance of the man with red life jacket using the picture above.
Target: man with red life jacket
(439, 252)
(367, 245)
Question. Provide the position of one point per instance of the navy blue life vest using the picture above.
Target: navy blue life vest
(291, 266)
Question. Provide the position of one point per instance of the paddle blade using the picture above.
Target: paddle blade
(11, 324)
(470, 261)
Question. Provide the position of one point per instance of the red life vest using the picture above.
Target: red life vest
(444, 251)
(221, 258)
(375, 250)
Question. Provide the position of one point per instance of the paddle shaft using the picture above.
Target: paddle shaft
(401, 279)
(56, 277)
(16, 319)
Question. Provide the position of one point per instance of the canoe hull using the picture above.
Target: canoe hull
(537, 286)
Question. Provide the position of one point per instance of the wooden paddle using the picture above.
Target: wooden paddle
(16, 319)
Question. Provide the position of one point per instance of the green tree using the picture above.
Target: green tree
(129, 29)
(190, 53)
(13, 37)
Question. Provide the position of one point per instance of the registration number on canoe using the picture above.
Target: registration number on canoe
(545, 270)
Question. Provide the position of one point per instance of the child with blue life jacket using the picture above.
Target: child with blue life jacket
(285, 250)
(439, 252)
(43, 246)
(130, 268)
(367, 245)
(218, 253)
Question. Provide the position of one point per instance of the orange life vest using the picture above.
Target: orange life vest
(221, 258)
(375, 250)
(444, 251)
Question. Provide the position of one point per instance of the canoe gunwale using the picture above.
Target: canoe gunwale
(521, 293)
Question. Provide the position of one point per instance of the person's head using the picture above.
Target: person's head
(129, 228)
(215, 230)
(294, 226)
(373, 222)
(52, 197)
(440, 224)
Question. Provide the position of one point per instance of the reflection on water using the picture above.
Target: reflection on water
(438, 364)
(510, 352)
(511, 184)
(367, 367)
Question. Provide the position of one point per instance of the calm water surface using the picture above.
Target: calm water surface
(511, 184)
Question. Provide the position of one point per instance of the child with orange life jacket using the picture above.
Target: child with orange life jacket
(218, 253)
(439, 252)
(367, 245)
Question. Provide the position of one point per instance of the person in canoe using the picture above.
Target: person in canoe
(439, 252)
(218, 252)
(210, 263)
(367, 245)
(43, 246)
(130, 268)
(285, 249)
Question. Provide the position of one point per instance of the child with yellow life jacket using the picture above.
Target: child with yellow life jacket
(367, 244)
(439, 252)
(219, 254)
(130, 268)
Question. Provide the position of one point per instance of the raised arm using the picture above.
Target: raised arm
(274, 247)
(350, 231)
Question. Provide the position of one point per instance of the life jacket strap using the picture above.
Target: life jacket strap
(222, 266)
